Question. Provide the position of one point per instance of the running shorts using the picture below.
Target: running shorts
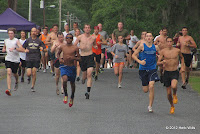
(87, 62)
(12, 65)
(70, 71)
(169, 76)
(32, 64)
(98, 57)
(148, 75)
(187, 59)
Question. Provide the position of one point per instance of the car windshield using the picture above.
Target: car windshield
(3, 36)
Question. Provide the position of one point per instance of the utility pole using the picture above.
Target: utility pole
(30, 11)
(60, 6)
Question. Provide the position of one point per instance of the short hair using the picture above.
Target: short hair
(69, 34)
(22, 31)
(54, 25)
(121, 22)
(60, 33)
(164, 28)
(184, 28)
(87, 25)
(169, 38)
(75, 23)
(46, 26)
(12, 29)
(77, 29)
(150, 33)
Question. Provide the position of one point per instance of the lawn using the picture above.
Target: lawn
(195, 83)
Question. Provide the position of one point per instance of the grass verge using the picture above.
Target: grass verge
(195, 83)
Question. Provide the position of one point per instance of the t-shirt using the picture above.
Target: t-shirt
(34, 49)
(73, 32)
(14, 55)
(131, 43)
(105, 36)
(124, 33)
(156, 37)
(120, 51)
(22, 55)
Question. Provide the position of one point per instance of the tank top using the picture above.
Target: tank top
(149, 54)
(43, 39)
(97, 51)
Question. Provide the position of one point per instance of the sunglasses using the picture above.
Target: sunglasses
(69, 37)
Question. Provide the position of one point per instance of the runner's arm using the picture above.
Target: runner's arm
(159, 62)
(136, 52)
(192, 44)
(113, 38)
(53, 48)
(4, 48)
(48, 40)
(136, 45)
(20, 49)
(182, 62)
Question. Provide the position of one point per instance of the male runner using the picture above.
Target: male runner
(54, 49)
(87, 58)
(12, 59)
(33, 45)
(66, 30)
(44, 55)
(49, 41)
(186, 42)
(68, 69)
(103, 47)
(141, 41)
(147, 68)
(161, 42)
(75, 26)
(119, 51)
(78, 68)
(120, 32)
(97, 52)
(22, 56)
(170, 56)
(131, 44)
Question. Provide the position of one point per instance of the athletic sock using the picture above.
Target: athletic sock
(88, 89)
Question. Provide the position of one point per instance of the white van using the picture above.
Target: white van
(3, 36)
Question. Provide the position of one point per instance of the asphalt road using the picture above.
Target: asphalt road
(110, 110)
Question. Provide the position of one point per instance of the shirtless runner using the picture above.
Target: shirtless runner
(170, 56)
(49, 41)
(67, 67)
(161, 42)
(54, 49)
(87, 58)
(186, 42)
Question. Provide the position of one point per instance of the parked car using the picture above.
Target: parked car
(3, 36)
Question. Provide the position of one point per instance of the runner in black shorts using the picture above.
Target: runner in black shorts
(86, 42)
(170, 62)
(87, 62)
(33, 45)
(185, 43)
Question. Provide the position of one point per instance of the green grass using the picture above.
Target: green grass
(195, 83)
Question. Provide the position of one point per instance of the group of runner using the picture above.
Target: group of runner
(71, 52)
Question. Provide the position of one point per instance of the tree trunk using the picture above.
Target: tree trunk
(12, 4)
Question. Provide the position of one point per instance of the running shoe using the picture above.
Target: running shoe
(32, 89)
(57, 91)
(184, 85)
(8, 92)
(95, 77)
(175, 99)
(53, 74)
(87, 95)
(16, 87)
(150, 109)
(65, 99)
(186, 81)
(78, 78)
(93, 74)
(119, 85)
(172, 110)
(71, 102)
(101, 70)
(44, 71)
(22, 79)
(29, 80)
